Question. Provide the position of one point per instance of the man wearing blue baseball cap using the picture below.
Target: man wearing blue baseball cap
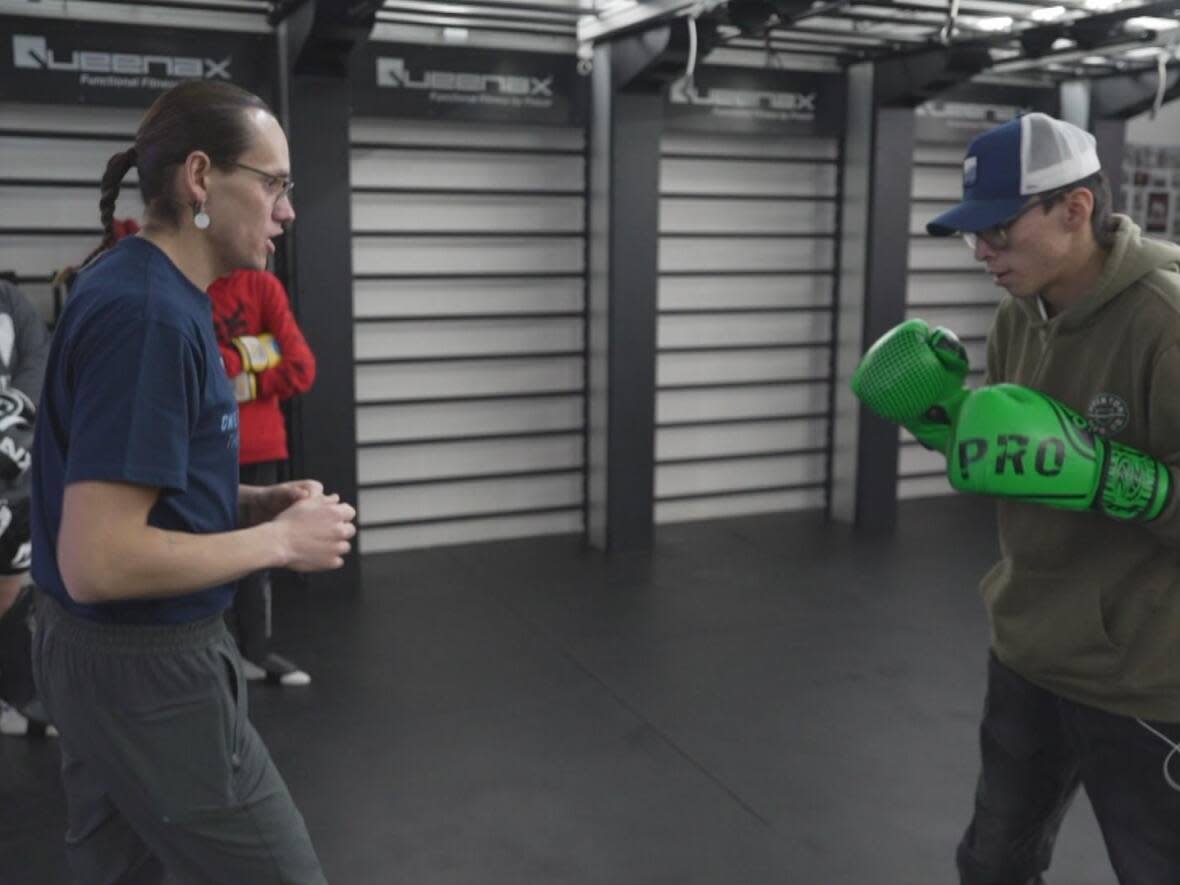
(1076, 432)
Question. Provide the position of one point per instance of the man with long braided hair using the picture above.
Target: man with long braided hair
(140, 528)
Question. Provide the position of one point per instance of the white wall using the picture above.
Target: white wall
(1163, 131)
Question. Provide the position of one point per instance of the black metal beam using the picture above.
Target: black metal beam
(1128, 95)
(909, 79)
(315, 48)
(630, 78)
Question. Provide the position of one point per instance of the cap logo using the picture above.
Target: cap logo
(970, 167)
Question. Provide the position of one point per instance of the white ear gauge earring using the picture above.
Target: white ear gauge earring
(200, 217)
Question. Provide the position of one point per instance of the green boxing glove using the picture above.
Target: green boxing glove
(913, 376)
(1013, 442)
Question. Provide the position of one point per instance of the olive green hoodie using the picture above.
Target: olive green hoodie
(1081, 604)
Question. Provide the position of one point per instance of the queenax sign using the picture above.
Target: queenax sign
(72, 62)
(448, 83)
(957, 122)
(721, 99)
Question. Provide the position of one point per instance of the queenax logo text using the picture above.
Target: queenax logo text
(393, 72)
(115, 68)
(753, 102)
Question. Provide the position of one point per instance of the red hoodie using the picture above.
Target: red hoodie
(251, 302)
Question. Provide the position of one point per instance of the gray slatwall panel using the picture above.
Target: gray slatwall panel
(408, 298)
(466, 255)
(409, 421)
(737, 474)
(745, 300)
(468, 378)
(740, 403)
(946, 287)
(419, 168)
(48, 226)
(466, 498)
(391, 339)
(678, 369)
(436, 212)
(469, 251)
(415, 462)
(58, 207)
(739, 504)
(764, 290)
(460, 532)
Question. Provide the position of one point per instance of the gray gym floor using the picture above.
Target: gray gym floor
(760, 700)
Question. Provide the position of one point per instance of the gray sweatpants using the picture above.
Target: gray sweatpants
(162, 768)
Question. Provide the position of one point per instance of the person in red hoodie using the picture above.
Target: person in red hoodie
(268, 361)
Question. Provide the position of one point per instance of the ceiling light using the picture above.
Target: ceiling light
(1047, 13)
(996, 23)
(1063, 43)
(1095, 60)
(1101, 5)
(1152, 23)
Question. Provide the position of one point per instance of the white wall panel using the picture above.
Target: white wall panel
(764, 290)
(446, 338)
(469, 254)
(738, 504)
(47, 226)
(72, 158)
(464, 169)
(754, 146)
(747, 253)
(466, 255)
(675, 406)
(466, 135)
(460, 458)
(381, 540)
(467, 378)
(747, 256)
(747, 216)
(433, 297)
(739, 439)
(754, 365)
(737, 329)
(60, 207)
(439, 212)
(464, 498)
(724, 176)
(463, 419)
(738, 474)
(947, 287)
(972, 287)
(41, 255)
(923, 487)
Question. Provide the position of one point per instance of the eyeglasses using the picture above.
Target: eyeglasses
(276, 185)
(996, 236)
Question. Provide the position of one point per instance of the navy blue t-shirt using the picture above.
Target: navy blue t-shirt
(135, 392)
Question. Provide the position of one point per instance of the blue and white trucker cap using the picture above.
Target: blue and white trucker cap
(1006, 165)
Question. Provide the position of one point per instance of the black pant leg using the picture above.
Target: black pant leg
(1028, 777)
(1131, 772)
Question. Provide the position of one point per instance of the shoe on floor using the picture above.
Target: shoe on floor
(276, 670)
(16, 723)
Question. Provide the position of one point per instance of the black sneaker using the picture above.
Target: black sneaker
(31, 721)
(277, 670)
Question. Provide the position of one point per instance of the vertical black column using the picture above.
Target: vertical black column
(887, 266)
(319, 261)
(878, 174)
(624, 199)
(1111, 135)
